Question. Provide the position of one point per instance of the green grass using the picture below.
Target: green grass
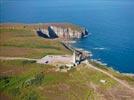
(37, 81)
(129, 79)
(26, 43)
(27, 80)
(15, 85)
(52, 84)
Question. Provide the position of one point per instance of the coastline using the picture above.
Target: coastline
(69, 44)
(81, 75)
(67, 50)
(95, 60)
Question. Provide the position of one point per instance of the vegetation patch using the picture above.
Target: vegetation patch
(23, 42)
(27, 80)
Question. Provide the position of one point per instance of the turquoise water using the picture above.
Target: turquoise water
(110, 22)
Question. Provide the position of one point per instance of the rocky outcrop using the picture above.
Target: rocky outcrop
(64, 31)
(52, 30)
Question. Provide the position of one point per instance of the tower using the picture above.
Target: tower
(74, 57)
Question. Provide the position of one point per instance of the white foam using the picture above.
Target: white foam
(79, 49)
(99, 62)
(99, 48)
(88, 34)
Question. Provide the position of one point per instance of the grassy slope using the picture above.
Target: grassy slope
(27, 80)
(26, 43)
(80, 83)
(53, 85)
(125, 78)
(45, 25)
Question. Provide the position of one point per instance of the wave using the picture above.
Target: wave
(87, 35)
(99, 48)
(70, 41)
(99, 62)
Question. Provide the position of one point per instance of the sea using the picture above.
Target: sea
(110, 24)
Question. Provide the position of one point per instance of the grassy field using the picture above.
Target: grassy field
(26, 43)
(127, 78)
(27, 80)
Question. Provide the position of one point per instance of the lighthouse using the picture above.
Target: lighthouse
(74, 57)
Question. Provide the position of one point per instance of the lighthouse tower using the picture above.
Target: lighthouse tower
(74, 57)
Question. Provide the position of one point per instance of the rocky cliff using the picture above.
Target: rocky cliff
(51, 30)
(64, 31)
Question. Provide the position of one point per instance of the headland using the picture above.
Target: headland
(38, 61)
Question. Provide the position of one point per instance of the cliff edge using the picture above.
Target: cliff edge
(52, 30)
(62, 30)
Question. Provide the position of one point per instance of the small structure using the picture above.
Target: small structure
(61, 59)
(63, 62)
(55, 59)
(74, 57)
(103, 81)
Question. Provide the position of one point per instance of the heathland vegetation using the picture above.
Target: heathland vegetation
(26, 43)
(27, 80)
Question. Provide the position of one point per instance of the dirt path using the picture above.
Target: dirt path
(17, 58)
(110, 75)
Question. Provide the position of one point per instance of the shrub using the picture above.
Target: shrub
(15, 91)
(36, 80)
(30, 96)
(28, 62)
(5, 79)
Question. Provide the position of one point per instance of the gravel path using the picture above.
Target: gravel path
(110, 75)
(16, 58)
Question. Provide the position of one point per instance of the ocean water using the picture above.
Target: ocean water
(110, 22)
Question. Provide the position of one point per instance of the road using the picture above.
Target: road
(17, 58)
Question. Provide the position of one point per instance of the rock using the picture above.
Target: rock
(103, 81)
(64, 31)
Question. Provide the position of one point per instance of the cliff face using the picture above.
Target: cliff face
(63, 31)
(52, 30)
